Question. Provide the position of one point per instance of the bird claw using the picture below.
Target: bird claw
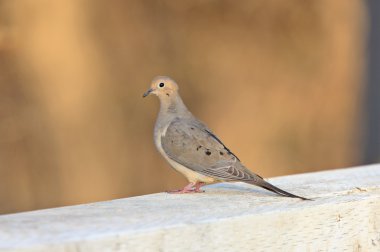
(183, 191)
(188, 189)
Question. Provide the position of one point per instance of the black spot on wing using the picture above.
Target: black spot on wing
(218, 140)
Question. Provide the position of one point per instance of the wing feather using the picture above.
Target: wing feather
(193, 145)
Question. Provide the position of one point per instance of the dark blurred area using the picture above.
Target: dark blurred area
(289, 86)
(371, 130)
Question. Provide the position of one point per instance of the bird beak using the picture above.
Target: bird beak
(150, 90)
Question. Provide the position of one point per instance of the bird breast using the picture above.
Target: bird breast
(191, 175)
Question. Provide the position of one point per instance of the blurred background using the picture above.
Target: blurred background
(289, 86)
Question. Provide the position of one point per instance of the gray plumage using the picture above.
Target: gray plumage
(192, 148)
(190, 143)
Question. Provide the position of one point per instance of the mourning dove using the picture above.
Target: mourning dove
(192, 148)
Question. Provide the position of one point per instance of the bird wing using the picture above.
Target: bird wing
(190, 143)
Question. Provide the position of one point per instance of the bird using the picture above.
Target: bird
(192, 149)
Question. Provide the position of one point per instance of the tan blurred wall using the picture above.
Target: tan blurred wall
(279, 81)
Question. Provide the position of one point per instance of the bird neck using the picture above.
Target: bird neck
(173, 104)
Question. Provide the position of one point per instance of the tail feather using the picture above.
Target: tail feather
(276, 190)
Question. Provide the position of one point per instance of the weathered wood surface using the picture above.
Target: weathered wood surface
(344, 216)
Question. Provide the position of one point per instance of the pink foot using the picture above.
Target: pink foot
(189, 189)
(198, 186)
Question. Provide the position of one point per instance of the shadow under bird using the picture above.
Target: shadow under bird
(192, 148)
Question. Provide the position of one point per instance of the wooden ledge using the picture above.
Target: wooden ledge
(344, 215)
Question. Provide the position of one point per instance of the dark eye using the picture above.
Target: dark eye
(161, 84)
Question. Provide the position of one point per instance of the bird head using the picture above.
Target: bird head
(162, 86)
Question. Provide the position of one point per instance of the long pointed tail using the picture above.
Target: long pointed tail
(262, 183)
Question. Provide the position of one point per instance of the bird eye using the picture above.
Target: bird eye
(161, 84)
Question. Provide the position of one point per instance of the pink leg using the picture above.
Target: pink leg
(198, 186)
(189, 188)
